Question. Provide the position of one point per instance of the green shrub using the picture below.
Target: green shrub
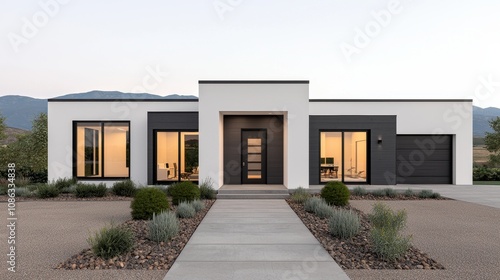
(23, 181)
(90, 190)
(164, 226)
(359, 191)
(185, 210)
(323, 210)
(47, 191)
(425, 194)
(311, 203)
(335, 193)
(124, 188)
(183, 191)
(384, 217)
(23, 192)
(436, 195)
(409, 193)
(300, 195)
(198, 205)
(388, 243)
(148, 201)
(486, 174)
(390, 192)
(111, 241)
(344, 223)
(64, 183)
(378, 193)
(207, 189)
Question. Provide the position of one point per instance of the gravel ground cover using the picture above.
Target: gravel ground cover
(357, 252)
(146, 254)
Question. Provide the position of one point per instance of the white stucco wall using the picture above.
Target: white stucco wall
(450, 117)
(60, 129)
(289, 100)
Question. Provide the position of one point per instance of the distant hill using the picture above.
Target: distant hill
(11, 134)
(20, 111)
(481, 120)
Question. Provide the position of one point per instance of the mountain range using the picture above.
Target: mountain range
(20, 111)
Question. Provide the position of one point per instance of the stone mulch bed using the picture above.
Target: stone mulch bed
(70, 197)
(357, 252)
(398, 196)
(146, 254)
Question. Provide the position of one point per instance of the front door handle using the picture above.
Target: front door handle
(243, 163)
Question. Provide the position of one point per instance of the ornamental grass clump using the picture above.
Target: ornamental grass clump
(47, 191)
(300, 195)
(198, 205)
(323, 210)
(336, 193)
(207, 189)
(390, 192)
(185, 210)
(111, 241)
(409, 193)
(163, 226)
(344, 223)
(385, 235)
(312, 203)
(90, 190)
(359, 191)
(124, 188)
(428, 194)
(64, 183)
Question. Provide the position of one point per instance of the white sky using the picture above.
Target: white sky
(429, 49)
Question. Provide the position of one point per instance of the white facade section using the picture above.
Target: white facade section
(287, 99)
(419, 117)
(60, 130)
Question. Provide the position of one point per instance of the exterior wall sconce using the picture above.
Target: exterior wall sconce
(379, 140)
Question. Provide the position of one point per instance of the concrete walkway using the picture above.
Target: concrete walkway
(253, 239)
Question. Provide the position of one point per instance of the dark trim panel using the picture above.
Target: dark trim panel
(74, 143)
(166, 121)
(381, 157)
(122, 100)
(253, 82)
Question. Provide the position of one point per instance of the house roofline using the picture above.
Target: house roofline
(390, 100)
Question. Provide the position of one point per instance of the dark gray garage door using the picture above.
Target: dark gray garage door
(424, 159)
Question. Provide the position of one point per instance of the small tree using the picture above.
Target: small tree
(2, 127)
(492, 141)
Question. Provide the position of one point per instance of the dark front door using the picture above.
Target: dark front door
(253, 156)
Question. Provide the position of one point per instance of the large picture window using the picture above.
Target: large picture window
(102, 149)
(343, 156)
(176, 156)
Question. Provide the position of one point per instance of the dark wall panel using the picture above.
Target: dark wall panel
(381, 157)
(424, 159)
(167, 121)
(232, 146)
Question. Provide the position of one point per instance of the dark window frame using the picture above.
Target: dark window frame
(75, 140)
(368, 155)
(155, 155)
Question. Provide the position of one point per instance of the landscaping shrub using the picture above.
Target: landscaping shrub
(428, 194)
(409, 193)
(388, 243)
(183, 192)
(64, 183)
(378, 193)
(207, 189)
(22, 181)
(300, 195)
(390, 192)
(163, 226)
(148, 201)
(23, 192)
(198, 205)
(124, 188)
(359, 191)
(335, 193)
(384, 217)
(311, 203)
(436, 195)
(185, 210)
(344, 223)
(323, 210)
(90, 190)
(111, 241)
(47, 191)
(486, 174)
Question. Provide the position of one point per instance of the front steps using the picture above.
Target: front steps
(249, 192)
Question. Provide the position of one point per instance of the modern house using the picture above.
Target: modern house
(261, 132)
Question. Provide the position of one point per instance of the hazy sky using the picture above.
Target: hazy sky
(347, 49)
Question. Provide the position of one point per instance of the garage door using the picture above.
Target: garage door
(424, 159)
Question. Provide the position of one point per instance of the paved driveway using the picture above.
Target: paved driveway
(49, 232)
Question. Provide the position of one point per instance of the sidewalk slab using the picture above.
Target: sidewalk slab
(253, 239)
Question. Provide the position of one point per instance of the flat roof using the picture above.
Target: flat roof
(122, 100)
(253, 82)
